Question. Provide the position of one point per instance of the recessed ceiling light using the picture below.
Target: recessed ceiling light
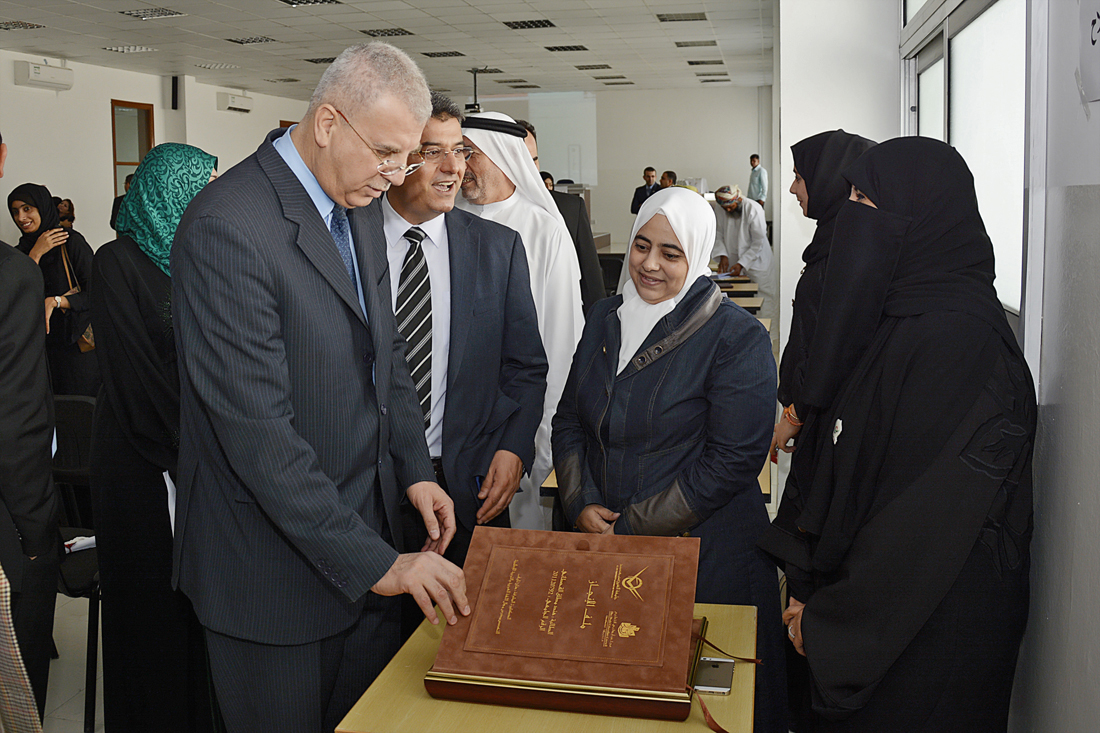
(18, 25)
(441, 90)
(487, 71)
(616, 83)
(601, 78)
(712, 73)
(250, 40)
(556, 49)
(718, 62)
(520, 25)
(324, 60)
(441, 54)
(217, 67)
(147, 13)
(592, 67)
(678, 17)
(525, 86)
(288, 80)
(510, 81)
(711, 81)
(296, 3)
(129, 50)
(695, 44)
(387, 32)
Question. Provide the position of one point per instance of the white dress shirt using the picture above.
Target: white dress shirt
(439, 274)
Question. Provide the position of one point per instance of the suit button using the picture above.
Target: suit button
(383, 408)
(368, 358)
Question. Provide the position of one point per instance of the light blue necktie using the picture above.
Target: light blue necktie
(341, 234)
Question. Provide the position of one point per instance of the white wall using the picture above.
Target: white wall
(706, 133)
(63, 139)
(1057, 688)
(839, 69)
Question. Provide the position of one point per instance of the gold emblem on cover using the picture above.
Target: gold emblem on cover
(634, 582)
(626, 630)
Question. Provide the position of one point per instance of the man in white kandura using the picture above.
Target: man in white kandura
(503, 185)
(741, 244)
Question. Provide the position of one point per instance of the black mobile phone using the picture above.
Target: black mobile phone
(714, 675)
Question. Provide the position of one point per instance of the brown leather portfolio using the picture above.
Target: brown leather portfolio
(579, 622)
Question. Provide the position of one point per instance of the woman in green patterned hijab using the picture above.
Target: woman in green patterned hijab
(170, 175)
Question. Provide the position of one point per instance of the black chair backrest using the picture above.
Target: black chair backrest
(612, 266)
(74, 432)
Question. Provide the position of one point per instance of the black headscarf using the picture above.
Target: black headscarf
(923, 249)
(820, 160)
(40, 198)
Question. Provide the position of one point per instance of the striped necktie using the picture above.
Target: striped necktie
(341, 234)
(414, 318)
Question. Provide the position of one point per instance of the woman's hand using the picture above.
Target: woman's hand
(52, 303)
(792, 617)
(783, 433)
(46, 242)
(596, 519)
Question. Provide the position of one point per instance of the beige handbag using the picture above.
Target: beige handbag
(86, 342)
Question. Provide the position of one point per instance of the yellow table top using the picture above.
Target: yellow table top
(750, 304)
(739, 288)
(398, 703)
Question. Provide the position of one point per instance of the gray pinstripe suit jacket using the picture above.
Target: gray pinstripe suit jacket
(292, 463)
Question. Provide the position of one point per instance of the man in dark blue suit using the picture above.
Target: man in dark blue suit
(641, 193)
(479, 360)
(301, 434)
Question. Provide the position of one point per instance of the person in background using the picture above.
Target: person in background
(643, 192)
(29, 504)
(907, 553)
(668, 178)
(118, 200)
(502, 184)
(548, 179)
(154, 657)
(65, 260)
(663, 425)
(741, 244)
(575, 213)
(758, 181)
(66, 212)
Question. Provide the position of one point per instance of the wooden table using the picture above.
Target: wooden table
(739, 288)
(752, 305)
(398, 703)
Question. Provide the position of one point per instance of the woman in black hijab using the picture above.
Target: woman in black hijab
(66, 263)
(907, 553)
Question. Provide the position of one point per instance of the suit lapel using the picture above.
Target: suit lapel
(464, 251)
(370, 249)
(314, 238)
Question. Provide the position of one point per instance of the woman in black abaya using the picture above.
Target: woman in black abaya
(907, 552)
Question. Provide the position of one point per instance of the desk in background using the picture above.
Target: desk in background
(398, 703)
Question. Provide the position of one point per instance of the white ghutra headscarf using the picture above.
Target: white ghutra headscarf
(692, 220)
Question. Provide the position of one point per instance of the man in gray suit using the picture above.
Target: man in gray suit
(480, 355)
(300, 429)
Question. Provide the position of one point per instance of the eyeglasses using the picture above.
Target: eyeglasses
(386, 167)
(433, 154)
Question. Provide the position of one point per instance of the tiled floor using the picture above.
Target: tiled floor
(65, 698)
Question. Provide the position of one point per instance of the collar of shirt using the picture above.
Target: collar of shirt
(395, 227)
(284, 146)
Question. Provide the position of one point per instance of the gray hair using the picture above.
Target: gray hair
(443, 107)
(368, 71)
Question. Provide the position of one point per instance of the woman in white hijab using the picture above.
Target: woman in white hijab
(665, 422)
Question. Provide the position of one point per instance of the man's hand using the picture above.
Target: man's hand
(738, 269)
(723, 265)
(792, 618)
(500, 485)
(429, 579)
(596, 519)
(438, 512)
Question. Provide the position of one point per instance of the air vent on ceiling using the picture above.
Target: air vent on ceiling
(604, 78)
(441, 90)
(441, 54)
(712, 73)
(147, 13)
(129, 49)
(18, 25)
(287, 80)
(296, 3)
(711, 81)
(509, 81)
(387, 32)
(717, 62)
(556, 49)
(522, 25)
(695, 44)
(324, 60)
(679, 17)
(217, 67)
(617, 83)
(250, 40)
(525, 86)
(592, 67)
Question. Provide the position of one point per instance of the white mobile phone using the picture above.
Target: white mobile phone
(714, 675)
